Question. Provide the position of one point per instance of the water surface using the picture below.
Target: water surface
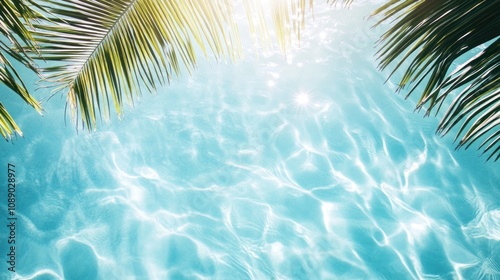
(304, 166)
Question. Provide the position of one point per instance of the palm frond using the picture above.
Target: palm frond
(15, 17)
(108, 52)
(433, 35)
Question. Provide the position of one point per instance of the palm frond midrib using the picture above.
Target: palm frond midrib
(106, 34)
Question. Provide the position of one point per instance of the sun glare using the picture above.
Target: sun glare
(302, 99)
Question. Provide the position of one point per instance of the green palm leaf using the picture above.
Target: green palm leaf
(107, 52)
(433, 35)
(15, 17)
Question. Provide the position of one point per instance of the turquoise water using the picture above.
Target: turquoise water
(299, 167)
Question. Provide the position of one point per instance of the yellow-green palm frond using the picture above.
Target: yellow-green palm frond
(433, 35)
(15, 17)
(106, 52)
(10, 78)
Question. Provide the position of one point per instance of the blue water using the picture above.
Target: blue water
(304, 166)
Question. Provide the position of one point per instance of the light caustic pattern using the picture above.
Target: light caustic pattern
(299, 167)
